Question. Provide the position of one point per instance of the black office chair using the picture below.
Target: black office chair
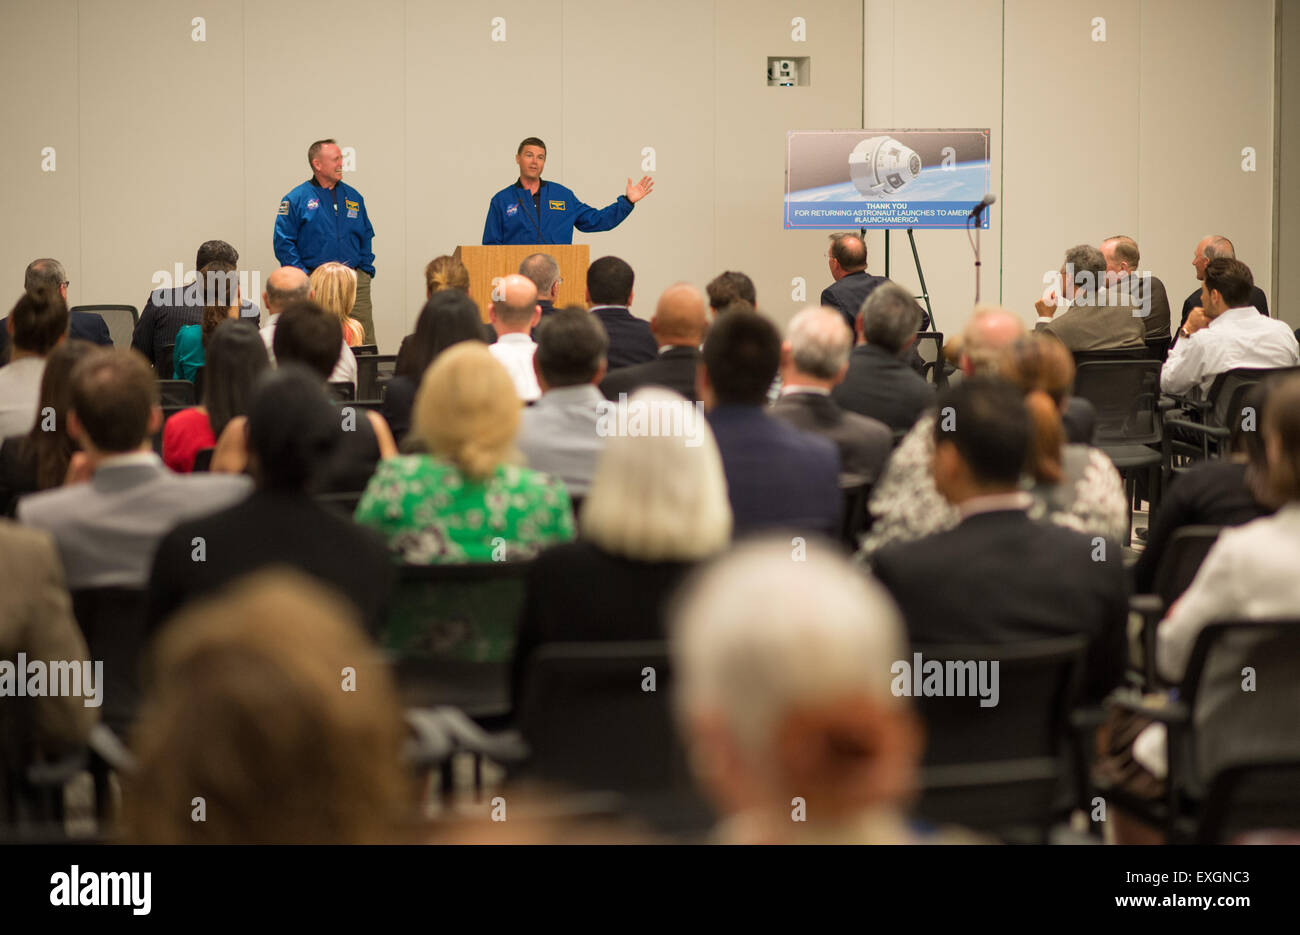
(121, 320)
(363, 349)
(856, 519)
(1003, 768)
(178, 393)
(1092, 357)
(203, 460)
(1183, 556)
(1201, 431)
(373, 373)
(1260, 796)
(344, 503)
(343, 391)
(929, 344)
(166, 366)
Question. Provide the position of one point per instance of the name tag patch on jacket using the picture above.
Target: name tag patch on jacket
(557, 205)
(512, 210)
(313, 204)
(284, 208)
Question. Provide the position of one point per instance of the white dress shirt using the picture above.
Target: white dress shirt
(1240, 337)
(345, 368)
(20, 395)
(515, 352)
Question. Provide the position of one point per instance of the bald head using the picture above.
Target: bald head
(514, 305)
(988, 334)
(681, 316)
(816, 348)
(287, 284)
(1209, 248)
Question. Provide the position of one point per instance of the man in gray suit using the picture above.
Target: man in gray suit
(121, 500)
(1093, 318)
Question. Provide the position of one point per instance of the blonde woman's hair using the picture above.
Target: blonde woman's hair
(445, 272)
(466, 409)
(660, 497)
(334, 288)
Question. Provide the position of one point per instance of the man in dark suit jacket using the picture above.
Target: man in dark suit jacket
(609, 293)
(879, 384)
(1206, 250)
(1000, 577)
(814, 358)
(777, 476)
(49, 274)
(679, 323)
(847, 259)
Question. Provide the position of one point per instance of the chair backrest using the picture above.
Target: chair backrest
(343, 390)
(1000, 766)
(1158, 348)
(167, 413)
(373, 372)
(203, 459)
(1251, 797)
(856, 517)
(113, 622)
(176, 393)
(166, 362)
(121, 320)
(1125, 394)
(363, 349)
(929, 344)
(1183, 556)
(1229, 389)
(341, 502)
(1089, 357)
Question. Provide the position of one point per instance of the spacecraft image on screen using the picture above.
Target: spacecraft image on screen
(882, 166)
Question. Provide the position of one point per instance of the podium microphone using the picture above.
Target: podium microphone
(988, 200)
(975, 213)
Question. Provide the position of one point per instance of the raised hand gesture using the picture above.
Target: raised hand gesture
(637, 191)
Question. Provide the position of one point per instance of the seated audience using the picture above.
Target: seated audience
(334, 287)
(563, 433)
(544, 273)
(656, 507)
(167, 310)
(449, 317)
(814, 359)
(1209, 248)
(678, 325)
(998, 576)
(879, 383)
(120, 499)
(465, 501)
(284, 287)
(1212, 493)
(609, 294)
(36, 326)
(1090, 317)
(47, 275)
(847, 259)
(220, 303)
(1087, 494)
(245, 709)
(728, 288)
(445, 272)
(1141, 290)
(306, 335)
(39, 459)
(777, 475)
(1226, 333)
(513, 317)
(236, 356)
(293, 428)
(783, 680)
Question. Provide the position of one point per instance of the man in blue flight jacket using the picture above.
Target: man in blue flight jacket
(536, 211)
(324, 220)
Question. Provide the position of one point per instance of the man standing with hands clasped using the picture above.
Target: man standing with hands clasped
(324, 220)
(533, 210)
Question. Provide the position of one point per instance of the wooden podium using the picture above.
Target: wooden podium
(486, 263)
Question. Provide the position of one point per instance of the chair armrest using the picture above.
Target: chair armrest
(57, 772)
(1158, 707)
(106, 745)
(1217, 431)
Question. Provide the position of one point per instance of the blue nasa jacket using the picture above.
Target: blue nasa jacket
(512, 218)
(315, 225)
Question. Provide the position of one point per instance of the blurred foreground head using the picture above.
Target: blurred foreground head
(783, 660)
(252, 711)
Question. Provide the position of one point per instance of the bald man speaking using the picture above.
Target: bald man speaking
(679, 323)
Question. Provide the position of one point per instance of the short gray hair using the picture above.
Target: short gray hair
(542, 269)
(44, 274)
(819, 342)
(1085, 258)
(890, 316)
(1220, 246)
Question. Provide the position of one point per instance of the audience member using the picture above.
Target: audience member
(305, 334)
(783, 675)
(609, 293)
(39, 459)
(998, 576)
(334, 287)
(445, 272)
(514, 315)
(879, 384)
(292, 428)
(814, 360)
(655, 508)
(561, 435)
(120, 499)
(1091, 316)
(220, 302)
(167, 310)
(47, 275)
(679, 324)
(544, 273)
(236, 357)
(448, 317)
(1138, 288)
(1208, 248)
(847, 259)
(777, 475)
(37, 324)
(465, 501)
(284, 287)
(245, 709)
(729, 287)
(1226, 333)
